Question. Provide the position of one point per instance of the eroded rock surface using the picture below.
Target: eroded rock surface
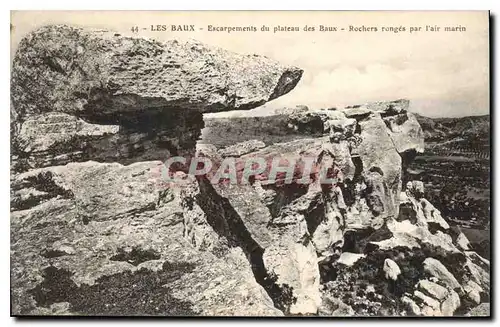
(373, 232)
(96, 95)
(104, 75)
(95, 235)
(108, 236)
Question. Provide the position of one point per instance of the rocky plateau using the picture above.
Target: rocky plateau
(96, 231)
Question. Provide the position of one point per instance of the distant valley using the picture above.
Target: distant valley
(455, 169)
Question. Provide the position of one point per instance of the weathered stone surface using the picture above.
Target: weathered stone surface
(482, 310)
(348, 258)
(314, 121)
(363, 151)
(478, 269)
(406, 234)
(381, 168)
(402, 240)
(294, 225)
(358, 113)
(340, 154)
(91, 185)
(296, 266)
(450, 304)
(385, 108)
(415, 189)
(261, 248)
(328, 237)
(288, 111)
(55, 138)
(287, 255)
(278, 253)
(429, 311)
(405, 132)
(359, 204)
(336, 308)
(389, 108)
(84, 229)
(418, 210)
(341, 129)
(462, 242)
(242, 148)
(296, 213)
(343, 311)
(99, 74)
(226, 131)
(438, 270)
(89, 95)
(411, 306)
(434, 304)
(473, 291)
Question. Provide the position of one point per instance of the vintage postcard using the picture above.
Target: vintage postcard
(250, 163)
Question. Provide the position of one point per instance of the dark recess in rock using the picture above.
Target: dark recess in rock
(135, 256)
(407, 158)
(227, 223)
(42, 182)
(52, 253)
(284, 196)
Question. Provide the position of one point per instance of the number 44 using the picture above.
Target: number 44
(134, 29)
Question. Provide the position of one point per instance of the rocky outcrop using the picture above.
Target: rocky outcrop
(436, 276)
(103, 75)
(55, 138)
(482, 310)
(404, 129)
(309, 221)
(432, 289)
(109, 236)
(372, 219)
(438, 270)
(92, 235)
(96, 95)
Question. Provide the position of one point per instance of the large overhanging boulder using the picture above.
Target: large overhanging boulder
(82, 95)
(100, 74)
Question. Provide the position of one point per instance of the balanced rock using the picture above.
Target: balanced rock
(83, 95)
(98, 74)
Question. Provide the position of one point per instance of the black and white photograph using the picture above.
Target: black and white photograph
(331, 164)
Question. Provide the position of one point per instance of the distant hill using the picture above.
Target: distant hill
(442, 129)
(455, 169)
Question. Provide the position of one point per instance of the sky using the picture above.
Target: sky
(443, 74)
